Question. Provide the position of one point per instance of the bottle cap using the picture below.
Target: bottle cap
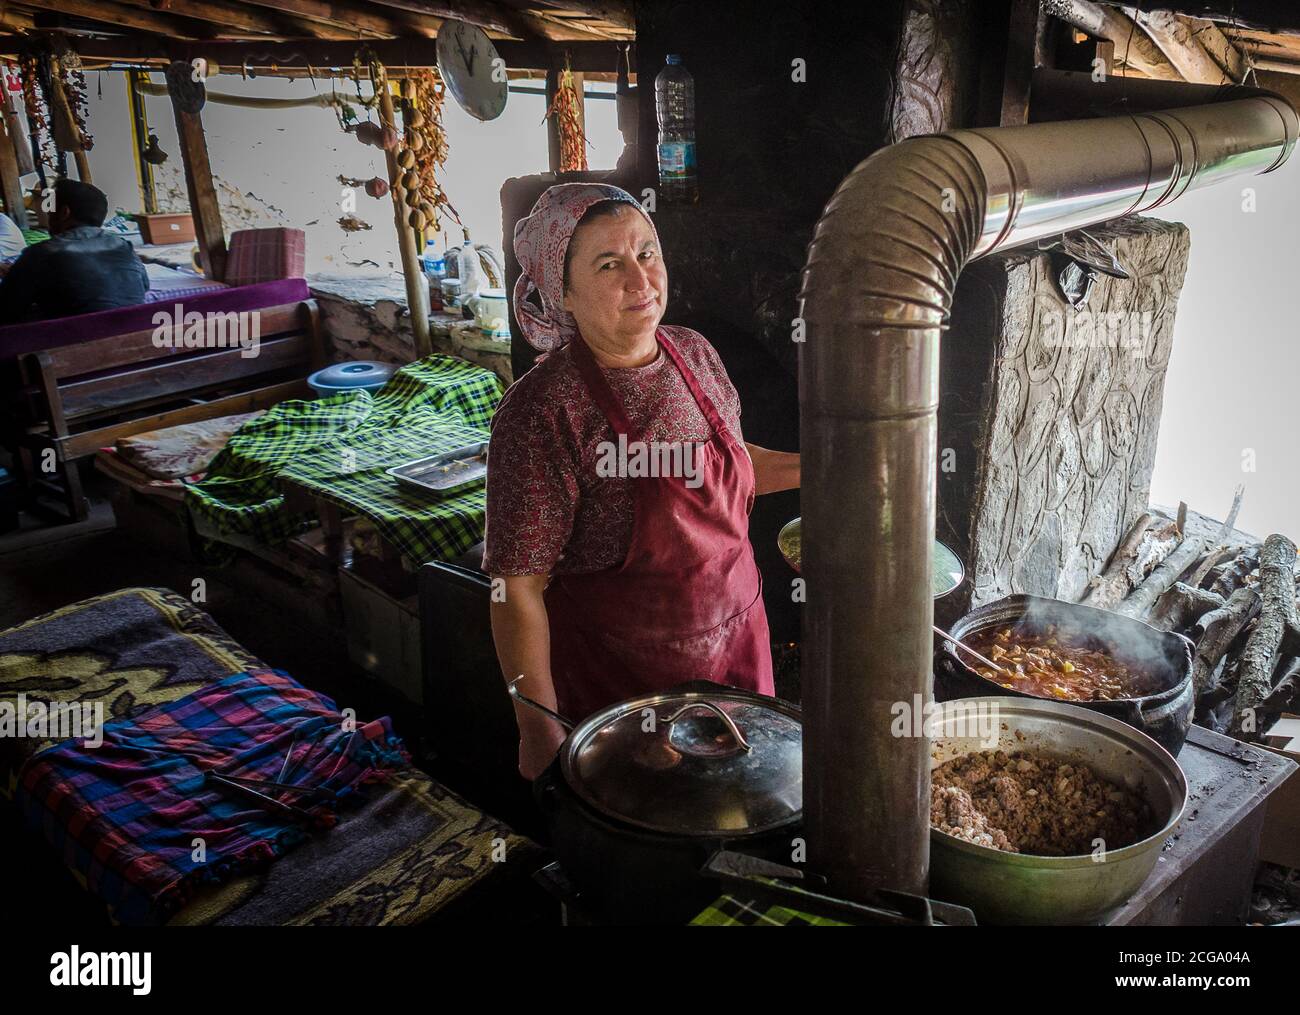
(674, 58)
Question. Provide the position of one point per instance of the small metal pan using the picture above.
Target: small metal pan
(444, 473)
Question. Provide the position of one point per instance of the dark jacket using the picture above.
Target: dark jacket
(77, 272)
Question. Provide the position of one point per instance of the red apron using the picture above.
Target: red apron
(687, 601)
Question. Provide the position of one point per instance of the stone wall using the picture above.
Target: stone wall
(364, 317)
(1050, 416)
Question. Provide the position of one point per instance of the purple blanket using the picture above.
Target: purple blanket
(17, 339)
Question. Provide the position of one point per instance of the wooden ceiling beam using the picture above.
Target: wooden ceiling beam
(616, 12)
(487, 15)
(1133, 47)
(124, 16)
(1277, 16)
(219, 13)
(360, 17)
(1183, 46)
(562, 20)
(319, 54)
(1221, 49)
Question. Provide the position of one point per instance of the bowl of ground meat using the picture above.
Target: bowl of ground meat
(1043, 812)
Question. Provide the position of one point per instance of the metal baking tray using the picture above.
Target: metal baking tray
(446, 472)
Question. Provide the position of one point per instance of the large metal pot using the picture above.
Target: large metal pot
(1165, 715)
(1018, 888)
(642, 793)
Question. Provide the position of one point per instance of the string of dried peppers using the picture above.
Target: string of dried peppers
(566, 109)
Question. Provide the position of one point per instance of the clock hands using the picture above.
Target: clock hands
(467, 57)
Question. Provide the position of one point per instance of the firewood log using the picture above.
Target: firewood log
(1189, 551)
(1139, 604)
(1149, 541)
(1277, 615)
(1212, 560)
(1235, 571)
(1182, 605)
(1214, 632)
(1285, 695)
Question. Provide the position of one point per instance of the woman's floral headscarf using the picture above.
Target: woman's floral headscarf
(541, 241)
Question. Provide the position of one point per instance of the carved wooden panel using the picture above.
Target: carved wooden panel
(1053, 414)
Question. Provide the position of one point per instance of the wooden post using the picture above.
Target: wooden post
(59, 97)
(202, 192)
(140, 138)
(417, 287)
(9, 171)
(552, 125)
(1026, 27)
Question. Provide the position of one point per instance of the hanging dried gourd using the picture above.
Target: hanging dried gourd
(422, 115)
(566, 111)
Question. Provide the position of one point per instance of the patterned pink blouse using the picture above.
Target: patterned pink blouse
(547, 510)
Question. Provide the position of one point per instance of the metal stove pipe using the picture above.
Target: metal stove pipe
(877, 289)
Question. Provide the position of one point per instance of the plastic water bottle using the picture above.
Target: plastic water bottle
(435, 270)
(675, 105)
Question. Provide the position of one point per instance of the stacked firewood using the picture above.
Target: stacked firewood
(1236, 601)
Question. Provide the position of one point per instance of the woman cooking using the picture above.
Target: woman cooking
(619, 489)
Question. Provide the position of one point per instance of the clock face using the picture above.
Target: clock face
(474, 73)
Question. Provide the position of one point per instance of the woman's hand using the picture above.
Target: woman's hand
(523, 642)
(537, 748)
(773, 470)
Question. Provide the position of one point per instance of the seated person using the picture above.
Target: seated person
(12, 240)
(80, 269)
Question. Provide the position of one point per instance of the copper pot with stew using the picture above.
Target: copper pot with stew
(1081, 655)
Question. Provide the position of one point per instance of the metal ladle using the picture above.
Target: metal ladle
(971, 651)
(518, 696)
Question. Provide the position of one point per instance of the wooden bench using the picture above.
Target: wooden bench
(81, 397)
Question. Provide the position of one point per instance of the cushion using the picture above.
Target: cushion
(263, 255)
(181, 451)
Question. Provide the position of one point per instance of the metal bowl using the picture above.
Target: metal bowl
(947, 571)
(1018, 888)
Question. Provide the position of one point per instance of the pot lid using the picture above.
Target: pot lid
(723, 764)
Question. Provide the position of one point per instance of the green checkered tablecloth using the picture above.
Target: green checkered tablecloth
(338, 448)
(730, 911)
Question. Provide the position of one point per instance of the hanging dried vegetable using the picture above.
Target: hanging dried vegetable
(566, 110)
(425, 150)
(74, 87)
(33, 67)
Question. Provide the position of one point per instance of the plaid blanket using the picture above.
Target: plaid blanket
(731, 911)
(338, 448)
(143, 818)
